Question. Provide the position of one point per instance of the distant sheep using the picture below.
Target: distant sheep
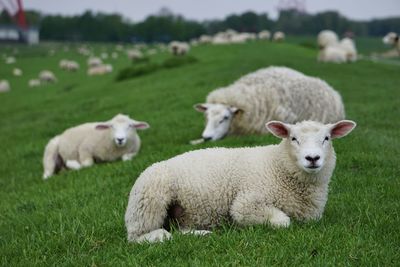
(10, 60)
(86, 144)
(69, 65)
(46, 76)
(104, 55)
(327, 38)
(34, 83)
(17, 72)
(100, 70)
(273, 93)
(135, 54)
(179, 48)
(205, 39)
(333, 54)
(273, 184)
(344, 51)
(264, 35)
(392, 39)
(94, 62)
(4, 86)
(279, 36)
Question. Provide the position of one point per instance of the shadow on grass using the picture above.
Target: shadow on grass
(148, 67)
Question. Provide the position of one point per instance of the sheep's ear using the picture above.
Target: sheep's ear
(277, 128)
(140, 125)
(342, 128)
(102, 126)
(235, 110)
(201, 107)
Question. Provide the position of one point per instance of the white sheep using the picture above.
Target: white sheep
(104, 55)
(392, 39)
(205, 39)
(344, 51)
(34, 83)
(63, 64)
(134, 54)
(10, 60)
(326, 38)
(264, 35)
(179, 48)
(273, 184)
(100, 70)
(69, 65)
(94, 62)
(332, 53)
(279, 36)
(273, 93)
(72, 66)
(17, 72)
(89, 143)
(4, 86)
(349, 47)
(46, 76)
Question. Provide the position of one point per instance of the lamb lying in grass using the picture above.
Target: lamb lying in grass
(273, 93)
(267, 184)
(83, 145)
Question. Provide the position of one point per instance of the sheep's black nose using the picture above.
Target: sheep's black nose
(312, 159)
(207, 138)
(120, 140)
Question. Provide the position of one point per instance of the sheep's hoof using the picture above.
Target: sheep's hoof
(280, 220)
(46, 176)
(73, 164)
(155, 236)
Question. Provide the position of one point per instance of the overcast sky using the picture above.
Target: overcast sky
(212, 9)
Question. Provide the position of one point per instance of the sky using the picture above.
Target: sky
(214, 9)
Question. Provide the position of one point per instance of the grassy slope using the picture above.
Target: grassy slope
(76, 218)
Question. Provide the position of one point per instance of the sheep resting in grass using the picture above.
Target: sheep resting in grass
(46, 76)
(273, 184)
(179, 48)
(326, 38)
(337, 52)
(100, 70)
(278, 37)
(34, 83)
(264, 35)
(392, 39)
(273, 93)
(89, 143)
(4, 86)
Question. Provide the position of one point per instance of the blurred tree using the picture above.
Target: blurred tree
(165, 26)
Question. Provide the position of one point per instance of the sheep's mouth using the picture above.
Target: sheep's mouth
(313, 167)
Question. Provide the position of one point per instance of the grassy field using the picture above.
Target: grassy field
(76, 218)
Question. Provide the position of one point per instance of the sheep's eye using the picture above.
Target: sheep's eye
(224, 119)
(326, 138)
(294, 139)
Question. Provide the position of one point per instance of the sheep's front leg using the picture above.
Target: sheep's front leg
(85, 157)
(128, 156)
(247, 210)
(73, 164)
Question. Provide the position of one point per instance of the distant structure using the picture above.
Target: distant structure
(298, 5)
(19, 31)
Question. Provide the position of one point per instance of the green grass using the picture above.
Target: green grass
(76, 218)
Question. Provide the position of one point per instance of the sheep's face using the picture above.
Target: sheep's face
(122, 128)
(308, 142)
(218, 120)
(390, 39)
